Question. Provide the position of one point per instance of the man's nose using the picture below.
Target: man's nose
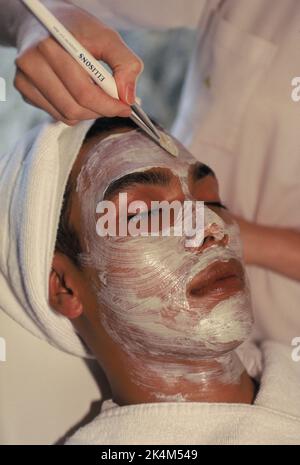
(214, 234)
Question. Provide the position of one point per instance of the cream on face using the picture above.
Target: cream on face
(141, 282)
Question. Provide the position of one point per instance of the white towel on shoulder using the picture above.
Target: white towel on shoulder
(274, 418)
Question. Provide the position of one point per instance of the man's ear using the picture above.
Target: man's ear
(64, 285)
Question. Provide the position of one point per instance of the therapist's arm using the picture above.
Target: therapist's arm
(48, 78)
(273, 248)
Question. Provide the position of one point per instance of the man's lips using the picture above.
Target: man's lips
(221, 278)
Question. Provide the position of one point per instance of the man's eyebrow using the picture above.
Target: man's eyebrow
(200, 170)
(156, 177)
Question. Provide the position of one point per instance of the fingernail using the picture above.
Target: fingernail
(130, 94)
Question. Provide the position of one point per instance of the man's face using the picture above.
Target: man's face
(156, 295)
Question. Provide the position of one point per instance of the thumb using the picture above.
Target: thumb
(125, 64)
(126, 79)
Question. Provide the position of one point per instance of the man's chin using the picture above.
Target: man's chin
(229, 321)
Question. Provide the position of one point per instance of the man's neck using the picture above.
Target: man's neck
(222, 379)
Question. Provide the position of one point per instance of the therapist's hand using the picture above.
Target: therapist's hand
(272, 248)
(50, 79)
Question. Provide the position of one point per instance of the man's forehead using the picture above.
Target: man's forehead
(108, 159)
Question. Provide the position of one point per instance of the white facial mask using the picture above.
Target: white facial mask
(142, 281)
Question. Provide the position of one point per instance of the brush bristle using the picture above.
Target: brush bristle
(168, 144)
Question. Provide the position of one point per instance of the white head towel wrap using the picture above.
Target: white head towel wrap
(32, 183)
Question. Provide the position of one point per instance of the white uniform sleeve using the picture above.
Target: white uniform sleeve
(119, 14)
(154, 14)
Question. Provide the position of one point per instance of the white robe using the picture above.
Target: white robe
(274, 418)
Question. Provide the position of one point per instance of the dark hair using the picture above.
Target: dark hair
(108, 125)
(67, 241)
